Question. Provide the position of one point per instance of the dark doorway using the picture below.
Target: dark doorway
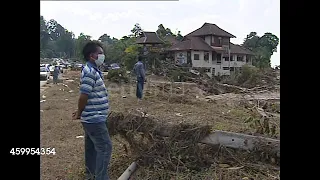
(189, 61)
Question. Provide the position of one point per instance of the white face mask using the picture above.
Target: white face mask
(100, 59)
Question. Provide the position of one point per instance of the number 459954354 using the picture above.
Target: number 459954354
(33, 151)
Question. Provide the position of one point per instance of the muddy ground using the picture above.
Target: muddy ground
(173, 103)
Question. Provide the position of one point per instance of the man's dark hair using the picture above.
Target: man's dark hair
(140, 58)
(90, 47)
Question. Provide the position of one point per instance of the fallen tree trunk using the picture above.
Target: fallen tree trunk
(227, 139)
(221, 138)
(238, 141)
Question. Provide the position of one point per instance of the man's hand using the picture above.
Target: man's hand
(75, 115)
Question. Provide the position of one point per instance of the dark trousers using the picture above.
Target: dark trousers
(55, 79)
(140, 84)
(98, 148)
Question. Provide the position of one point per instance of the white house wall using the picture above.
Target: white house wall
(201, 62)
(234, 63)
(218, 68)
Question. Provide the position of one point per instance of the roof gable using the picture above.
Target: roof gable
(171, 39)
(210, 29)
(149, 38)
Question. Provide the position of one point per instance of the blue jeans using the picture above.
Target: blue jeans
(98, 148)
(140, 83)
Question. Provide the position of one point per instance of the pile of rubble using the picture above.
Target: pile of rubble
(250, 79)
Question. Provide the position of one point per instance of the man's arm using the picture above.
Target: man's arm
(82, 102)
(87, 84)
(134, 69)
(142, 71)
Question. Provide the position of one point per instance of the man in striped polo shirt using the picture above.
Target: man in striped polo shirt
(93, 110)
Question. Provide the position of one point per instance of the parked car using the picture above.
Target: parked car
(106, 68)
(61, 67)
(114, 66)
(44, 73)
(51, 69)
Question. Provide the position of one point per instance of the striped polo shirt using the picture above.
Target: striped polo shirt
(91, 83)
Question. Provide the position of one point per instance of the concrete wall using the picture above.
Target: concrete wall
(201, 62)
(215, 69)
(234, 63)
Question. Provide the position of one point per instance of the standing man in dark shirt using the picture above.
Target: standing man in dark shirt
(139, 70)
(56, 73)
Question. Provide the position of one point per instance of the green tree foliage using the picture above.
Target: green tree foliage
(263, 48)
(179, 37)
(106, 39)
(79, 44)
(136, 30)
(57, 41)
(163, 32)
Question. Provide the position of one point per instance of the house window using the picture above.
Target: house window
(231, 68)
(220, 40)
(239, 58)
(196, 57)
(225, 68)
(231, 58)
(207, 70)
(206, 56)
(212, 40)
(248, 59)
(226, 58)
(214, 56)
(218, 58)
(213, 72)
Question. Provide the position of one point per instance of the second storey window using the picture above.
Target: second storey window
(196, 56)
(206, 56)
(212, 40)
(220, 40)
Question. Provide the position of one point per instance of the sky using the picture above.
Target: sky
(238, 17)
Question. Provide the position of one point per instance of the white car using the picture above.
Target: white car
(44, 73)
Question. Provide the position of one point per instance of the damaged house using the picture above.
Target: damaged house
(209, 47)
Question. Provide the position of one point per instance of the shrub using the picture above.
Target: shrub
(118, 75)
